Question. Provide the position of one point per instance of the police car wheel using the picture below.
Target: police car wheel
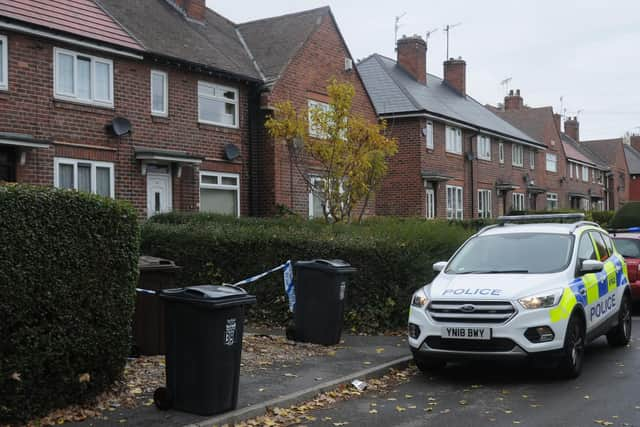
(621, 334)
(426, 364)
(573, 352)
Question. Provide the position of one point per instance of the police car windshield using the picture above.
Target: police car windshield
(533, 253)
(628, 248)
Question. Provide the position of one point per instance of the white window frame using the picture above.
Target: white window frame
(220, 186)
(532, 159)
(429, 136)
(72, 96)
(585, 174)
(4, 64)
(553, 197)
(501, 152)
(165, 111)
(517, 155)
(551, 162)
(455, 211)
(517, 202)
(577, 172)
(311, 105)
(453, 140)
(570, 170)
(484, 203)
(430, 203)
(483, 147)
(57, 161)
(215, 86)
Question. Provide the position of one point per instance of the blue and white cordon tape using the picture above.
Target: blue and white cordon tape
(289, 287)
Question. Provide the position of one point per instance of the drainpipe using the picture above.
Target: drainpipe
(471, 156)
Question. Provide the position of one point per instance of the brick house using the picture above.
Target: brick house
(611, 153)
(543, 125)
(456, 158)
(632, 155)
(188, 83)
(297, 55)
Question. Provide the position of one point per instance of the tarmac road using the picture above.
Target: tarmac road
(513, 394)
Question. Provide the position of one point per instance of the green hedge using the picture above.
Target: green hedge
(68, 268)
(394, 257)
(627, 216)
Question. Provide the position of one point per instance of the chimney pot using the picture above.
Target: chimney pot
(518, 92)
(412, 56)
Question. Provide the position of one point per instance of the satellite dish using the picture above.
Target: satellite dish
(119, 126)
(231, 151)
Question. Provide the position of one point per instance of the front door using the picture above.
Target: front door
(7, 165)
(158, 193)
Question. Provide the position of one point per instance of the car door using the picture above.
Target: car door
(589, 293)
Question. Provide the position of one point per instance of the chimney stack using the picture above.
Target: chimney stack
(513, 101)
(557, 119)
(455, 74)
(572, 128)
(634, 141)
(412, 56)
(193, 9)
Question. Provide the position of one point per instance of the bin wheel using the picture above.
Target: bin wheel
(162, 398)
(291, 332)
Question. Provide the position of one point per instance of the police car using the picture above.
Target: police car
(524, 287)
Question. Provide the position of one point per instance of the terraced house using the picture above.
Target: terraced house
(457, 159)
(161, 102)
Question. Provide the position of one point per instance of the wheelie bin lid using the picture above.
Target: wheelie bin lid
(334, 265)
(213, 296)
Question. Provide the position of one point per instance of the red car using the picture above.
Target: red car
(627, 242)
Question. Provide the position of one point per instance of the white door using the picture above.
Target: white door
(158, 193)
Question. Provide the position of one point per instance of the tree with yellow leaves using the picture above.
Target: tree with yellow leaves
(351, 153)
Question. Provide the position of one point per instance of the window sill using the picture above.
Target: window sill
(159, 119)
(216, 125)
(81, 106)
(485, 160)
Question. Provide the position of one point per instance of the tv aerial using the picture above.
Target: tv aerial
(447, 29)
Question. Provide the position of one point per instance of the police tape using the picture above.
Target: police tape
(289, 287)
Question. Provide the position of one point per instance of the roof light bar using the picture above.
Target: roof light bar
(624, 230)
(523, 219)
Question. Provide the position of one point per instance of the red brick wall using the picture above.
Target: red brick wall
(79, 130)
(634, 188)
(403, 190)
(279, 182)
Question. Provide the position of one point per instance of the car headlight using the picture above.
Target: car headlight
(542, 300)
(420, 298)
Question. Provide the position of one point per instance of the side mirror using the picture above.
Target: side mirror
(439, 266)
(591, 266)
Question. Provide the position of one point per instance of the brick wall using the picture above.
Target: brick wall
(278, 180)
(78, 131)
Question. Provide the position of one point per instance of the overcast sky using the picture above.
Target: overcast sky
(586, 51)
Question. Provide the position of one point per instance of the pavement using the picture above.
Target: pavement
(499, 394)
(357, 357)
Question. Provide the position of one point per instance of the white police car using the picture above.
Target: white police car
(524, 288)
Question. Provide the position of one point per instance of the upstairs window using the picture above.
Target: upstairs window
(4, 63)
(484, 147)
(217, 105)
(501, 152)
(453, 140)
(570, 170)
(532, 160)
(429, 135)
(159, 93)
(585, 174)
(83, 78)
(517, 155)
(552, 162)
(314, 128)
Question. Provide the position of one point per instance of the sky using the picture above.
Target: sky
(587, 52)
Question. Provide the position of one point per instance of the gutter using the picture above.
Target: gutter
(47, 34)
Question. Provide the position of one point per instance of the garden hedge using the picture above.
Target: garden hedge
(394, 257)
(68, 268)
(627, 216)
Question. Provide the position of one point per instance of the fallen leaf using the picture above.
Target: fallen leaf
(290, 375)
(507, 411)
(411, 406)
(408, 396)
(379, 350)
(587, 397)
(373, 411)
(463, 402)
(400, 408)
(16, 376)
(84, 378)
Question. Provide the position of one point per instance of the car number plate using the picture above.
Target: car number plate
(466, 333)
